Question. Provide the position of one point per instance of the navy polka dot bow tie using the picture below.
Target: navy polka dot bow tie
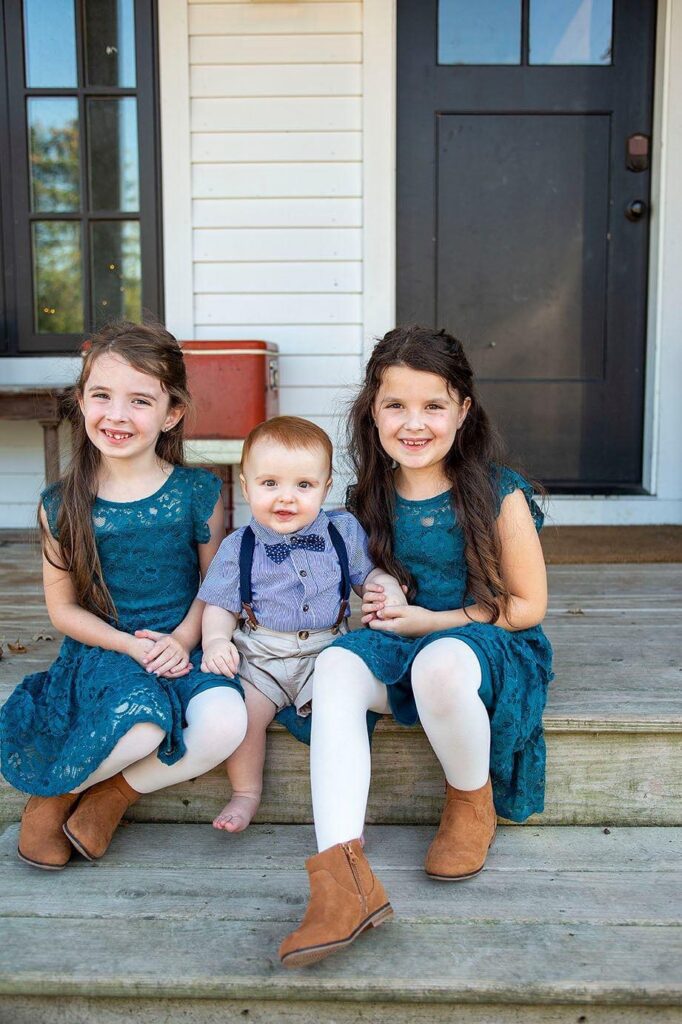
(309, 541)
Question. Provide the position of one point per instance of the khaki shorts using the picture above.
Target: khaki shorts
(281, 665)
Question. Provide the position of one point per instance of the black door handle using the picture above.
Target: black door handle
(635, 210)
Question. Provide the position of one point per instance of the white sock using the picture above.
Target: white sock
(344, 690)
(446, 677)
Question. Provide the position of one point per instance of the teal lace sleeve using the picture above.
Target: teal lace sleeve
(51, 499)
(205, 491)
(507, 482)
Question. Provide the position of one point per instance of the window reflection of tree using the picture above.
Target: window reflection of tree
(55, 166)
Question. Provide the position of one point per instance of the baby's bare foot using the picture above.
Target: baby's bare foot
(237, 815)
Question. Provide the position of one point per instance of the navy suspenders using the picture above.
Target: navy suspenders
(246, 562)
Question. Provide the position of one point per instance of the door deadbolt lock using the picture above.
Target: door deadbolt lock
(637, 152)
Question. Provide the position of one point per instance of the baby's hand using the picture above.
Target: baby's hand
(220, 657)
(376, 597)
(167, 656)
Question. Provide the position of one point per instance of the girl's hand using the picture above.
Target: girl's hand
(138, 649)
(220, 657)
(375, 597)
(406, 620)
(166, 656)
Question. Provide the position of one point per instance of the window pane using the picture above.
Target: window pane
(570, 31)
(53, 148)
(112, 154)
(116, 278)
(110, 43)
(50, 40)
(479, 31)
(57, 277)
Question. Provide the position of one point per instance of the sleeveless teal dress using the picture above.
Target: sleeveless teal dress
(59, 725)
(516, 668)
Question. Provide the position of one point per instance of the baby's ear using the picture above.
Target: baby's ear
(242, 484)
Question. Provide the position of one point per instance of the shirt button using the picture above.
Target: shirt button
(303, 573)
(306, 607)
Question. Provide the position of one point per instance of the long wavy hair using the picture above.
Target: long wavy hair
(469, 465)
(150, 349)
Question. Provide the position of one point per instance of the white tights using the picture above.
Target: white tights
(446, 676)
(216, 725)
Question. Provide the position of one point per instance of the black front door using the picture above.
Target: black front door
(523, 189)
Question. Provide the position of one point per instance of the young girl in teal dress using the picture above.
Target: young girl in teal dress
(127, 534)
(465, 655)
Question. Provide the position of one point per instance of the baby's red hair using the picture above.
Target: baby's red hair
(291, 432)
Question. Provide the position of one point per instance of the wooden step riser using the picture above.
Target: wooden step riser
(51, 1010)
(613, 777)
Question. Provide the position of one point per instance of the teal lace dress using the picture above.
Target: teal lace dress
(516, 668)
(59, 725)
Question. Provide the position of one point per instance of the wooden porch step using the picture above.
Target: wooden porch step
(613, 720)
(180, 922)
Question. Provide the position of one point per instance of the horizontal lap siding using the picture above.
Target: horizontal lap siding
(276, 115)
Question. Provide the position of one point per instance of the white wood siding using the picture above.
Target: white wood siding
(276, 150)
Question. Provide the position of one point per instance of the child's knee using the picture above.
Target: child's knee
(221, 719)
(337, 672)
(143, 738)
(442, 679)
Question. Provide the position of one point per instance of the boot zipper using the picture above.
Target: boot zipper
(352, 863)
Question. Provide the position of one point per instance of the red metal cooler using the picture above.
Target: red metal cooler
(234, 385)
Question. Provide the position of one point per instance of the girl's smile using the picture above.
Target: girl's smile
(417, 417)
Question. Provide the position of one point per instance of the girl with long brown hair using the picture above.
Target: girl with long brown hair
(127, 534)
(465, 655)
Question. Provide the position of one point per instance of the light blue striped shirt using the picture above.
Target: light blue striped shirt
(303, 591)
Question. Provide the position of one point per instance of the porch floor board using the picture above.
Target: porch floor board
(560, 917)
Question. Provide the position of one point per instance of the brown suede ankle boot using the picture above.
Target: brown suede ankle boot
(345, 898)
(42, 842)
(466, 831)
(92, 825)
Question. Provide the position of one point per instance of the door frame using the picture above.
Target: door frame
(662, 466)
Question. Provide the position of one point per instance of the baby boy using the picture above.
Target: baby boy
(277, 591)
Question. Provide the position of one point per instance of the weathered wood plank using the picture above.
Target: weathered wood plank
(56, 1010)
(531, 963)
(590, 923)
(593, 778)
(172, 893)
(390, 847)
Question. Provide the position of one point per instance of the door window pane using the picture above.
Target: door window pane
(110, 43)
(112, 154)
(53, 149)
(57, 277)
(50, 41)
(570, 31)
(116, 276)
(479, 31)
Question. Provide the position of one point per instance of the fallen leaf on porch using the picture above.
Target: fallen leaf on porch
(42, 636)
(574, 611)
(17, 648)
